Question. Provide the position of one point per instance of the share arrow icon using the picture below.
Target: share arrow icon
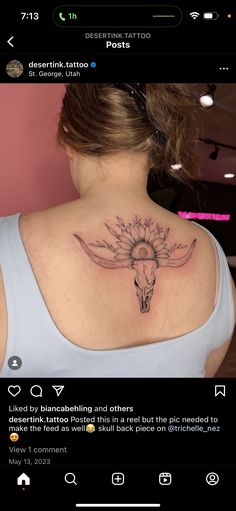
(58, 389)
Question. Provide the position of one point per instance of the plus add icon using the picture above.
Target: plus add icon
(117, 478)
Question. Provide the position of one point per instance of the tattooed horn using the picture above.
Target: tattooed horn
(165, 261)
(106, 263)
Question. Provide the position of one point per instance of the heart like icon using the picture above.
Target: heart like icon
(14, 390)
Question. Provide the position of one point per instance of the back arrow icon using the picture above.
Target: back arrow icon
(9, 41)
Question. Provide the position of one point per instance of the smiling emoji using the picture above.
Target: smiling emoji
(90, 428)
(14, 437)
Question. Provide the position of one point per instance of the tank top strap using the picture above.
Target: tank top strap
(23, 296)
(223, 321)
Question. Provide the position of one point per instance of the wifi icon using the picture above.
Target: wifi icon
(194, 15)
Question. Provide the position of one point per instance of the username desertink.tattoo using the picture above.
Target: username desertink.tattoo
(140, 246)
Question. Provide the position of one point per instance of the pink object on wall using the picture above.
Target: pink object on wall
(34, 171)
(204, 216)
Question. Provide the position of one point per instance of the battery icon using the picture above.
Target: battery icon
(211, 15)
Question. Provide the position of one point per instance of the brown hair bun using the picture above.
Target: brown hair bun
(100, 118)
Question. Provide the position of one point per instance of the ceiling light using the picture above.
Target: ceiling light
(207, 99)
(214, 154)
(176, 166)
(229, 175)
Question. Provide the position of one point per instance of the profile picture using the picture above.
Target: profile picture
(14, 68)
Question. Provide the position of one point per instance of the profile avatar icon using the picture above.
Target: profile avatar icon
(14, 68)
(14, 362)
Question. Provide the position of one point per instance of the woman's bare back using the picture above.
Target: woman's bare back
(99, 307)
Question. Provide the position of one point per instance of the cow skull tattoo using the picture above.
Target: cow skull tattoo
(140, 246)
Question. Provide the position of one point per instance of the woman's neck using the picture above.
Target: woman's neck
(111, 177)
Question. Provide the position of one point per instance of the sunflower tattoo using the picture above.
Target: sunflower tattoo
(140, 246)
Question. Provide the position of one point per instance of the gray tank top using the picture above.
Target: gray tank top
(45, 352)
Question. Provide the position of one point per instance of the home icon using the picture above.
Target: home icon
(23, 480)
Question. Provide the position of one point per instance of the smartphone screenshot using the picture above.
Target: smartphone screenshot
(118, 255)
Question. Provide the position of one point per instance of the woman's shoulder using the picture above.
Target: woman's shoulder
(53, 221)
(186, 230)
(50, 218)
(202, 267)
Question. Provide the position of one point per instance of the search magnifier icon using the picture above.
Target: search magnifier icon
(70, 478)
